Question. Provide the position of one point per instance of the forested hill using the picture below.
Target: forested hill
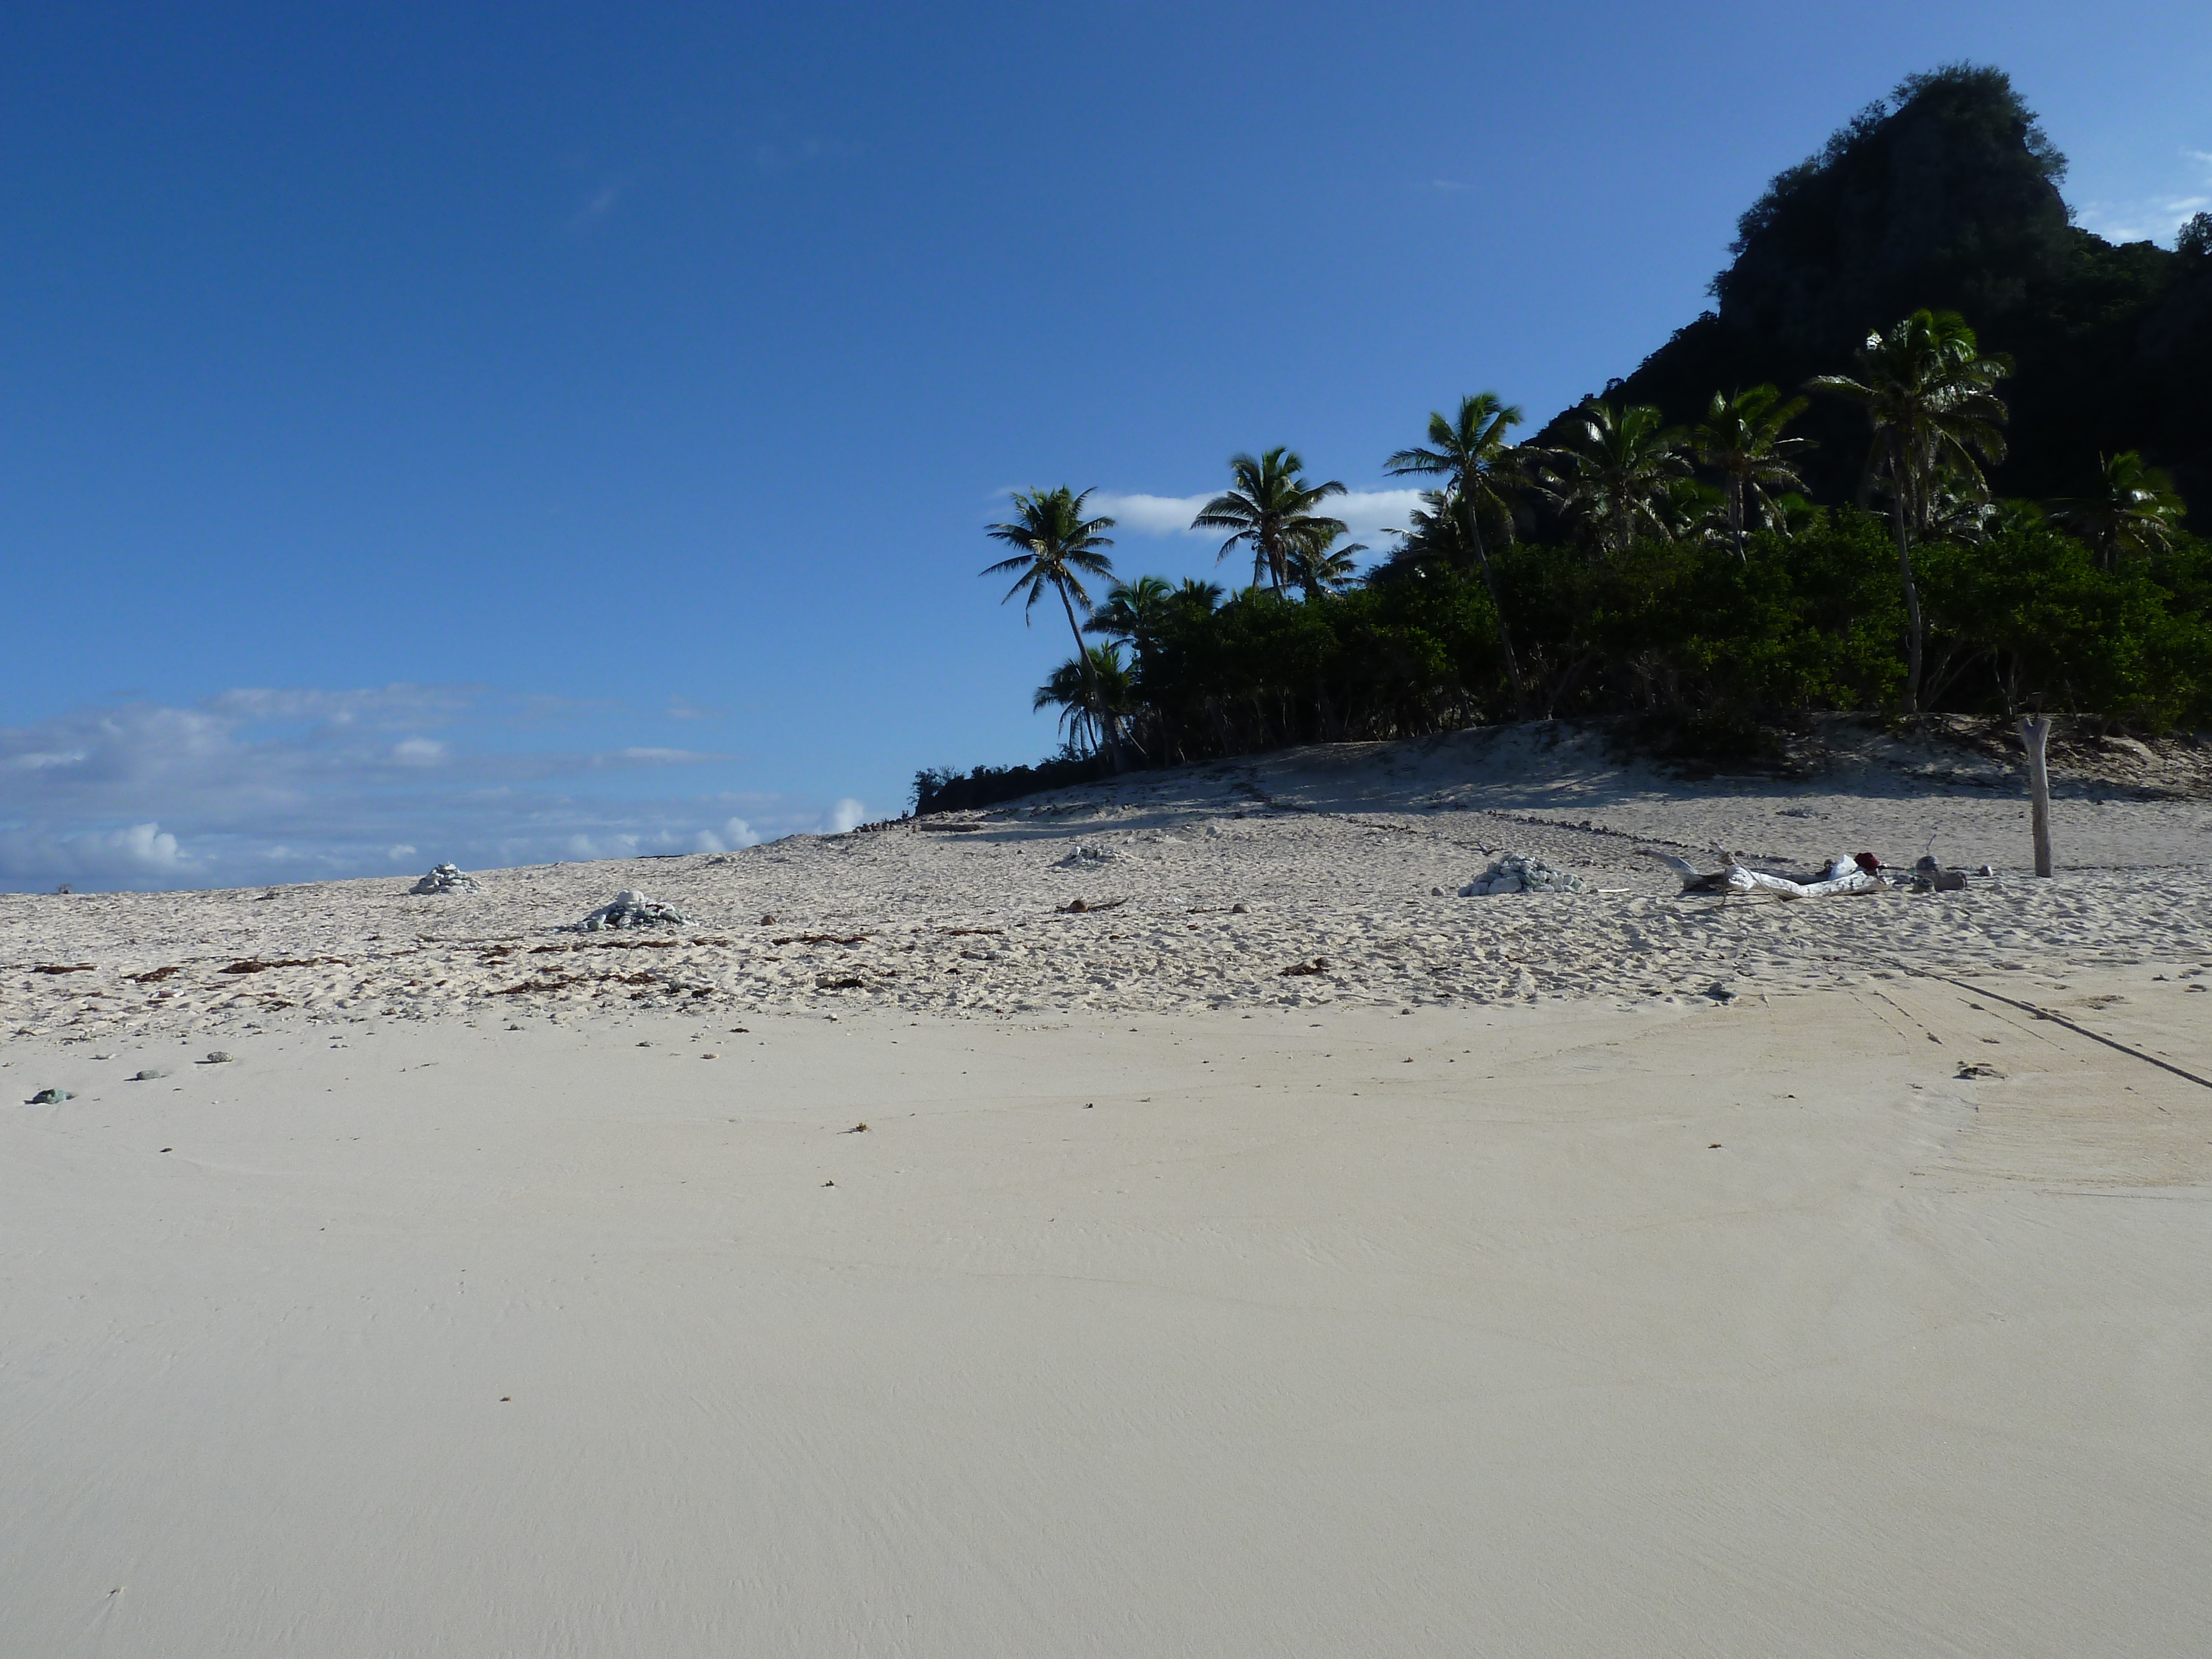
(1947, 196)
(1629, 565)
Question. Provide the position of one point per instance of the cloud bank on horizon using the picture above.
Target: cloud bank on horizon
(252, 787)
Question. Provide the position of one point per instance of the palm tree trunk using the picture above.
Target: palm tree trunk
(1161, 729)
(1504, 634)
(1737, 516)
(1107, 741)
(1914, 635)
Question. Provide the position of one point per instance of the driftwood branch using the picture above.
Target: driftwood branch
(2035, 738)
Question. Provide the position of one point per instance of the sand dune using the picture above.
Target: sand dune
(1350, 855)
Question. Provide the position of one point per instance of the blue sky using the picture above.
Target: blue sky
(507, 433)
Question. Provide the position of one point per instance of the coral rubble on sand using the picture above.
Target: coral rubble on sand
(630, 908)
(1513, 873)
(445, 878)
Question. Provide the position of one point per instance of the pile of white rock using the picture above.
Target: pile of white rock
(1085, 856)
(630, 908)
(1514, 874)
(445, 878)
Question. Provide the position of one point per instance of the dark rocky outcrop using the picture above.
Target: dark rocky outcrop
(1947, 195)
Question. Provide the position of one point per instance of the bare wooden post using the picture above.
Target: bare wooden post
(2035, 736)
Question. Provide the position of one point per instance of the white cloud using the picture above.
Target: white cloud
(848, 814)
(255, 785)
(133, 855)
(379, 707)
(1153, 515)
(26, 762)
(2142, 221)
(683, 708)
(141, 847)
(733, 834)
(1368, 513)
(2152, 218)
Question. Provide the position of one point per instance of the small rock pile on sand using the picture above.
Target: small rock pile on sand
(1085, 856)
(630, 908)
(1514, 874)
(445, 878)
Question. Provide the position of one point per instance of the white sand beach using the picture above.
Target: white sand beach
(1353, 854)
(1597, 1272)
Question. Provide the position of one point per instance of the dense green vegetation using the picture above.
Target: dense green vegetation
(1834, 492)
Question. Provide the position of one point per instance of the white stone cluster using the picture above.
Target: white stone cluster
(445, 878)
(631, 908)
(1513, 873)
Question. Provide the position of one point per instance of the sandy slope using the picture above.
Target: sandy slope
(1335, 853)
(1553, 1330)
(1492, 1290)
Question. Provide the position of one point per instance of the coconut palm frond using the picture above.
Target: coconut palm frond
(1741, 439)
(1615, 471)
(1270, 509)
(1482, 472)
(2134, 510)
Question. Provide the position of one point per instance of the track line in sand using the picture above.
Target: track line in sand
(2053, 1015)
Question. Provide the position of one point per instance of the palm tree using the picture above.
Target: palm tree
(1196, 597)
(1320, 569)
(1092, 690)
(1135, 613)
(1958, 510)
(1059, 548)
(2134, 509)
(1615, 472)
(1741, 439)
(1929, 392)
(1433, 531)
(1482, 473)
(1271, 508)
(1693, 513)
